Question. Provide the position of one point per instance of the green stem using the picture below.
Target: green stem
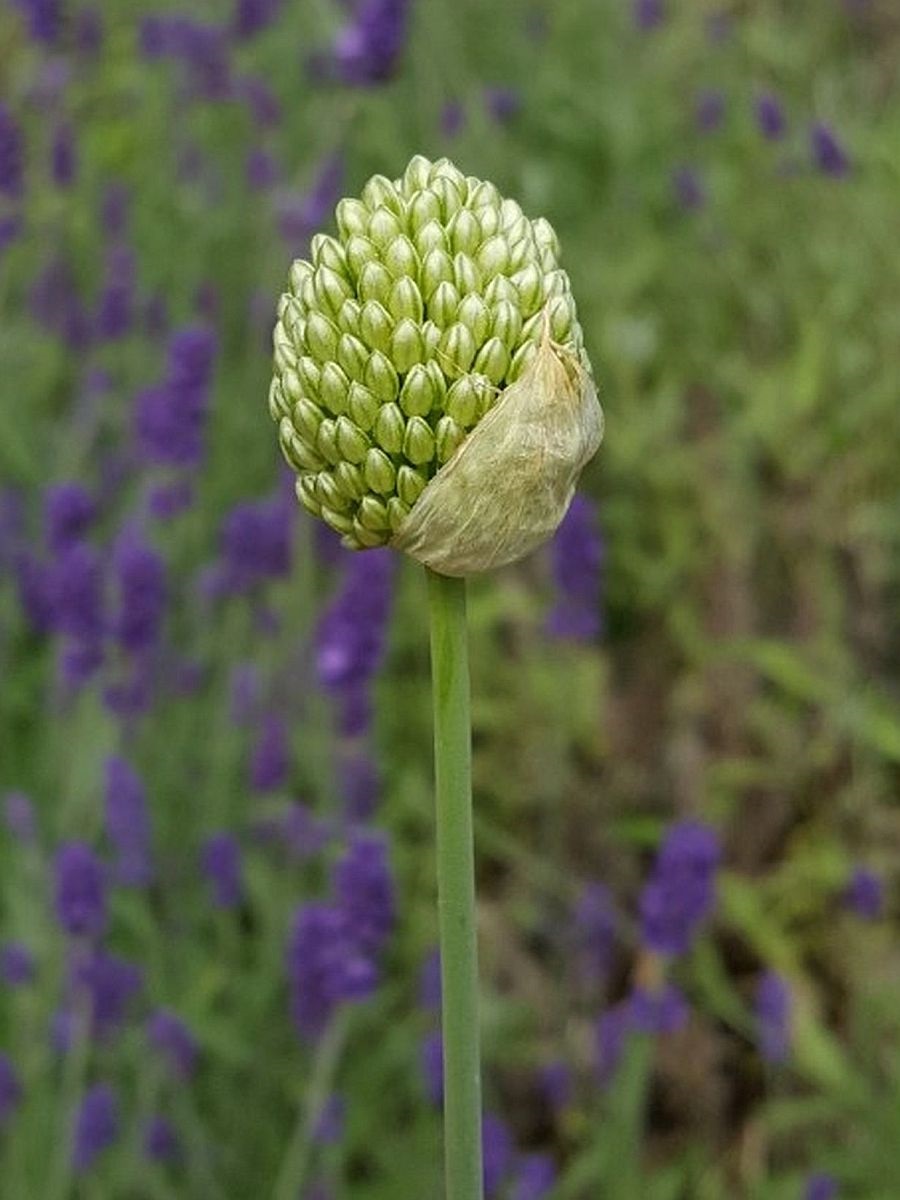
(456, 888)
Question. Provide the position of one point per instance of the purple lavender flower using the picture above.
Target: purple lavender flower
(688, 188)
(820, 1186)
(648, 14)
(556, 1084)
(864, 894)
(330, 1123)
(828, 154)
(498, 1153)
(271, 759)
(263, 104)
(19, 818)
(680, 893)
(657, 1010)
(75, 593)
(325, 967)
(365, 892)
(261, 169)
(612, 1030)
(360, 785)
(139, 572)
(430, 982)
(300, 216)
(302, 835)
(128, 823)
(44, 19)
(351, 635)
(535, 1178)
(368, 47)
(96, 1126)
(253, 16)
(16, 964)
(116, 304)
(220, 861)
(88, 33)
(170, 1036)
(594, 928)
(709, 110)
(12, 156)
(109, 984)
(502, 104)
(114, 210)
(577, 558)
(453, 118)
(255, 543)
(431, 1057)
(165, 501)
(63, 159)
(773, 1017)
(171, 417)
(80, 890)
(69, 512)
(10, 1090)
(160, 1141)
(770, 117)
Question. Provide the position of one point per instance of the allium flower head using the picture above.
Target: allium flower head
(438, 305)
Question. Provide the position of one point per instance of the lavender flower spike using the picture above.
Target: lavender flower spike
(96, 1126)
(681, 891)
(80, 890)
(773, 1014)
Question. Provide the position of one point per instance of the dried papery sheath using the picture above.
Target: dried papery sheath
(508, 486)
(431, 387)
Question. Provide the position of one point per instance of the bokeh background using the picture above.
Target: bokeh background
(217, 925)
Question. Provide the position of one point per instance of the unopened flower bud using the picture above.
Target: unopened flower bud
(431, 388)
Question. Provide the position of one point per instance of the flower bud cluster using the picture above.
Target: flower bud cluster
(400, 334)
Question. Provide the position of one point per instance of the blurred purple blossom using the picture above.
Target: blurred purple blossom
(160, 1141)
(360, 785)
(19, 817)
(10, 1089)
(364, 891)
(828, 153)
(96, 1126)
(108, 984)
(325, 966)
(556, 1084)
(168, 1034)
(431, 1057)
(12, 155)
(255, 543)
(115, 313)
(648, 14)
(69, 512)
(44, 19)
(368, 46)
(329, 1127)
(220, 862)
(770, 116)
(657, 1010)
(577, 559)
(688, 188)
(453, 118)
(430, 982)
(128, 823)
(820, 1186)
(80, 896)
(139, 573)
(253, 16)
(535, 1178)
(498, 1151)
(63, 158)
(502, 103)
(864, 894)
(88, 31)
(709, 110)
(16, 964)
(594, 928)
(270, 761)
(165, 501)
(680, 893)
(261, 169)
(114, 210)
(171, 416)
(773, 1017)
(262, 102)
(611, 1031)
(300, 216)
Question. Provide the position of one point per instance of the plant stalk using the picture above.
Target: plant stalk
(456, 888)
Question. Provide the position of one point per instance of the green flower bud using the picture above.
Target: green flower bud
(352, 217)
(390, 429)
(418, 443)
(307, 418)
(334, 388)
(430, 385)
(475, 314)
(379, 472)
(351, 441)
(410, 484)
(443, 303)
(349, 479)
(405, 302)
(407, 347)
(362, 406)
